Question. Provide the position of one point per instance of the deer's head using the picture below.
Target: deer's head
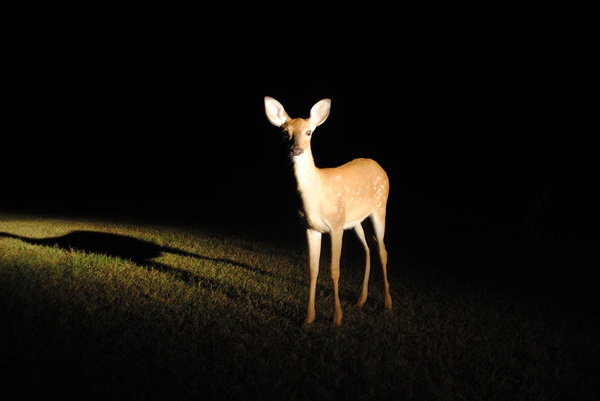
(300, 130)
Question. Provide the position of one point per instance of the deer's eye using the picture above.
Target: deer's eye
(308, 133)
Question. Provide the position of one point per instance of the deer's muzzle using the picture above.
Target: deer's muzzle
(297, 150)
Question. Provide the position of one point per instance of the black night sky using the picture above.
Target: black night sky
(482, 131)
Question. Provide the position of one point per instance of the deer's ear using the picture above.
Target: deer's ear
(275, 112)
(320, 111)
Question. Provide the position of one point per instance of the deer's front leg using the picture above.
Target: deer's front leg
(314, 252)
(336, 253)
(360, 232)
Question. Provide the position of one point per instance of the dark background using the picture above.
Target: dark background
(479, 127)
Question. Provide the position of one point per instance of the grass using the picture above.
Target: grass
(94, 309)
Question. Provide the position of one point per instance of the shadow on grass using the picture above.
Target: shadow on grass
(138, 251)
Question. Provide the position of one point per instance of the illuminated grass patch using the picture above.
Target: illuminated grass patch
(215, 315)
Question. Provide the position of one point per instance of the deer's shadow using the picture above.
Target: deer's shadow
(138, 251)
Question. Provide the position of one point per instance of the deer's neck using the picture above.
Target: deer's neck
(308, 178)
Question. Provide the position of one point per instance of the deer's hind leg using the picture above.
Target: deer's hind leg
(378, 220)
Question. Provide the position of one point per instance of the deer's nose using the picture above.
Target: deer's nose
(297, 150)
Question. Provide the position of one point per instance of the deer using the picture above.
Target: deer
(334, 199)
